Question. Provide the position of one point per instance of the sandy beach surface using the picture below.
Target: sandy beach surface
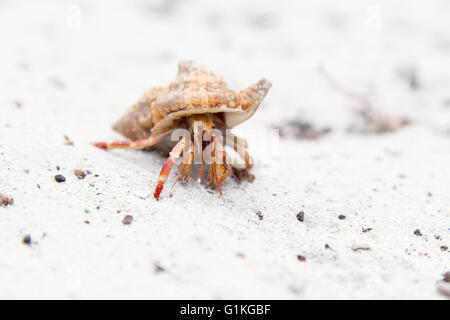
(375, 206)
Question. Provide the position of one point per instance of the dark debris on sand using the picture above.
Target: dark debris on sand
(158, 268)
(243, 174)
(362, 248)
(60, 178)
(300, 216)
(260, 215)
(127, 219)
(375, 121)
(299, 129)
(5, 201)
(79, 173)
(27, 240)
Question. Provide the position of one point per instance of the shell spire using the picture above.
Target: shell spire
(250, 99)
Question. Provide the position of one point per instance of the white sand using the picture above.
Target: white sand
(76, 76)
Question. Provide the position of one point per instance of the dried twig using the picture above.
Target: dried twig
(376, 120)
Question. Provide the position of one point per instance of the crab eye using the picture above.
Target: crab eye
(214, 126)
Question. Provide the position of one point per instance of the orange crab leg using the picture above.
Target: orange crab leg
(198, 131)
(136, 144)
(240, 146)
(185, 169)
(165, 171)
(220, 168)
(217, 179)
(209, 134)
(199, 179)
(213, 153)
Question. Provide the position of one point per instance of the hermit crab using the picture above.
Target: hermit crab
(199, 105)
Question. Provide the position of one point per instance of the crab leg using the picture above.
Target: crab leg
(197, 129)
(130, 144)
(185, 169)
(198, 145)
(174, 155)
(209, 134)
(220, 168)
(240, 146)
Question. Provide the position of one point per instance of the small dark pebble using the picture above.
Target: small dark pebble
(418, 233)
(341, 217)
(87, 222)
(60, 178)
(300, 216)
(58, 168)
(429, 194)
(80, 173)
(366, 230)
(301, 258)
(327, 246)
(444, 248)
(127, 219)
(260, 215)
(27, 239)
